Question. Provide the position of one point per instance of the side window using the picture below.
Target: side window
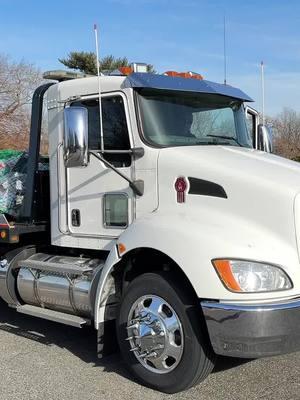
(115, 130)
(115, 210)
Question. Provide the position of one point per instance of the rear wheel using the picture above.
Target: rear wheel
(161, 335)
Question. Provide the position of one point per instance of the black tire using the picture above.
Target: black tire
(197, 359)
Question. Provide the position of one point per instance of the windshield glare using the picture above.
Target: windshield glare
(173, 118)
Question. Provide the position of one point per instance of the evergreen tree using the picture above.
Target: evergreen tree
(86, 62)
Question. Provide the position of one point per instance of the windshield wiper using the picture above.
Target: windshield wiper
(226, 137)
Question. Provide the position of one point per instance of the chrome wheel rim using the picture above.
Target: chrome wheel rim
(155, 334)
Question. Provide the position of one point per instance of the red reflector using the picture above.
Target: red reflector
(180, 187)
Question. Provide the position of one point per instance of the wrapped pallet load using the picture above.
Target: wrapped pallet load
(12, 179)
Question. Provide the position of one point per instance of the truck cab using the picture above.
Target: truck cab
(171, 225)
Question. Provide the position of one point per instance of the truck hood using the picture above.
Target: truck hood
(227, 164)
(260, 193)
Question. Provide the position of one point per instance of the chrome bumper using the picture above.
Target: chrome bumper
(253, 331)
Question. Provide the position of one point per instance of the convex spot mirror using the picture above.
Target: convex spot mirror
(265, 139)
(76, 136)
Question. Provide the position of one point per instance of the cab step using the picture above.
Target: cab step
(55, 316)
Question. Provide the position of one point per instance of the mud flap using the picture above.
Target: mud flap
(107, 343)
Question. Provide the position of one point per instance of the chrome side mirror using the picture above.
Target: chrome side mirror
(264, 139)
(76, 137)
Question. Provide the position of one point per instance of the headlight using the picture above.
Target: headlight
(251, 277)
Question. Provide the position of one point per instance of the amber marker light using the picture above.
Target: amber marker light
(3, 235)
(14, 239)
(121, 248)
(126, 70)
(224, 271)
(186, 75)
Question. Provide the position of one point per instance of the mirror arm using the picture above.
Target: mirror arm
(136, 186)
(138, 152)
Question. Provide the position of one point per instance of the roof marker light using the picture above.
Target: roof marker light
(186, 75)
(126, 70)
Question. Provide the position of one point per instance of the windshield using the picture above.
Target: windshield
(174, 118)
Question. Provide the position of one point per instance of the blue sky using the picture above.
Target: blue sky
(171, 34)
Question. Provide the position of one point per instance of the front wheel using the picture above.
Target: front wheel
(161, 335)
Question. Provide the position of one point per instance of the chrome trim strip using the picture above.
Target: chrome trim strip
(253, 307)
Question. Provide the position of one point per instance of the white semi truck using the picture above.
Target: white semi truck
(163, 219)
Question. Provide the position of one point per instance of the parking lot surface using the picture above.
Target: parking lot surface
(43, 360)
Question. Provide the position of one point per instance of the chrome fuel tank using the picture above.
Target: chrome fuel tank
(48, 281)
(8, 267)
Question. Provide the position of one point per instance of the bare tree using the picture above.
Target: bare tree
(286, 129)
(17, 82)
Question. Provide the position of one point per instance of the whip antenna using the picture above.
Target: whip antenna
(225, 55)
(99, 88)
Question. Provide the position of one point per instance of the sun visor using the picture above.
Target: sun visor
(164, 82)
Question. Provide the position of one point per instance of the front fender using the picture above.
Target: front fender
(100, 298)
(193, 241)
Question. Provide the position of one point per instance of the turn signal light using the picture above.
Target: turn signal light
(224, 271)
(3, 235)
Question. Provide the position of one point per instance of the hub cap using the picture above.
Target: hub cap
(155, 334)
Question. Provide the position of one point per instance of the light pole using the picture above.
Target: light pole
(263, 91)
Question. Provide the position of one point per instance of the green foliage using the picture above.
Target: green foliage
(7, 154)
(86, 62)
(110, 63)
(81, 60)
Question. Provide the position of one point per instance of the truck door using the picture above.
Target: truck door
(99, 201)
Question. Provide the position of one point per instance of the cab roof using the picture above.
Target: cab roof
(145, 80)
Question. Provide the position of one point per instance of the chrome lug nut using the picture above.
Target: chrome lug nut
(135, 349)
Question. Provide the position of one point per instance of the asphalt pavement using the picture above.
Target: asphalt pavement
(47, 361)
